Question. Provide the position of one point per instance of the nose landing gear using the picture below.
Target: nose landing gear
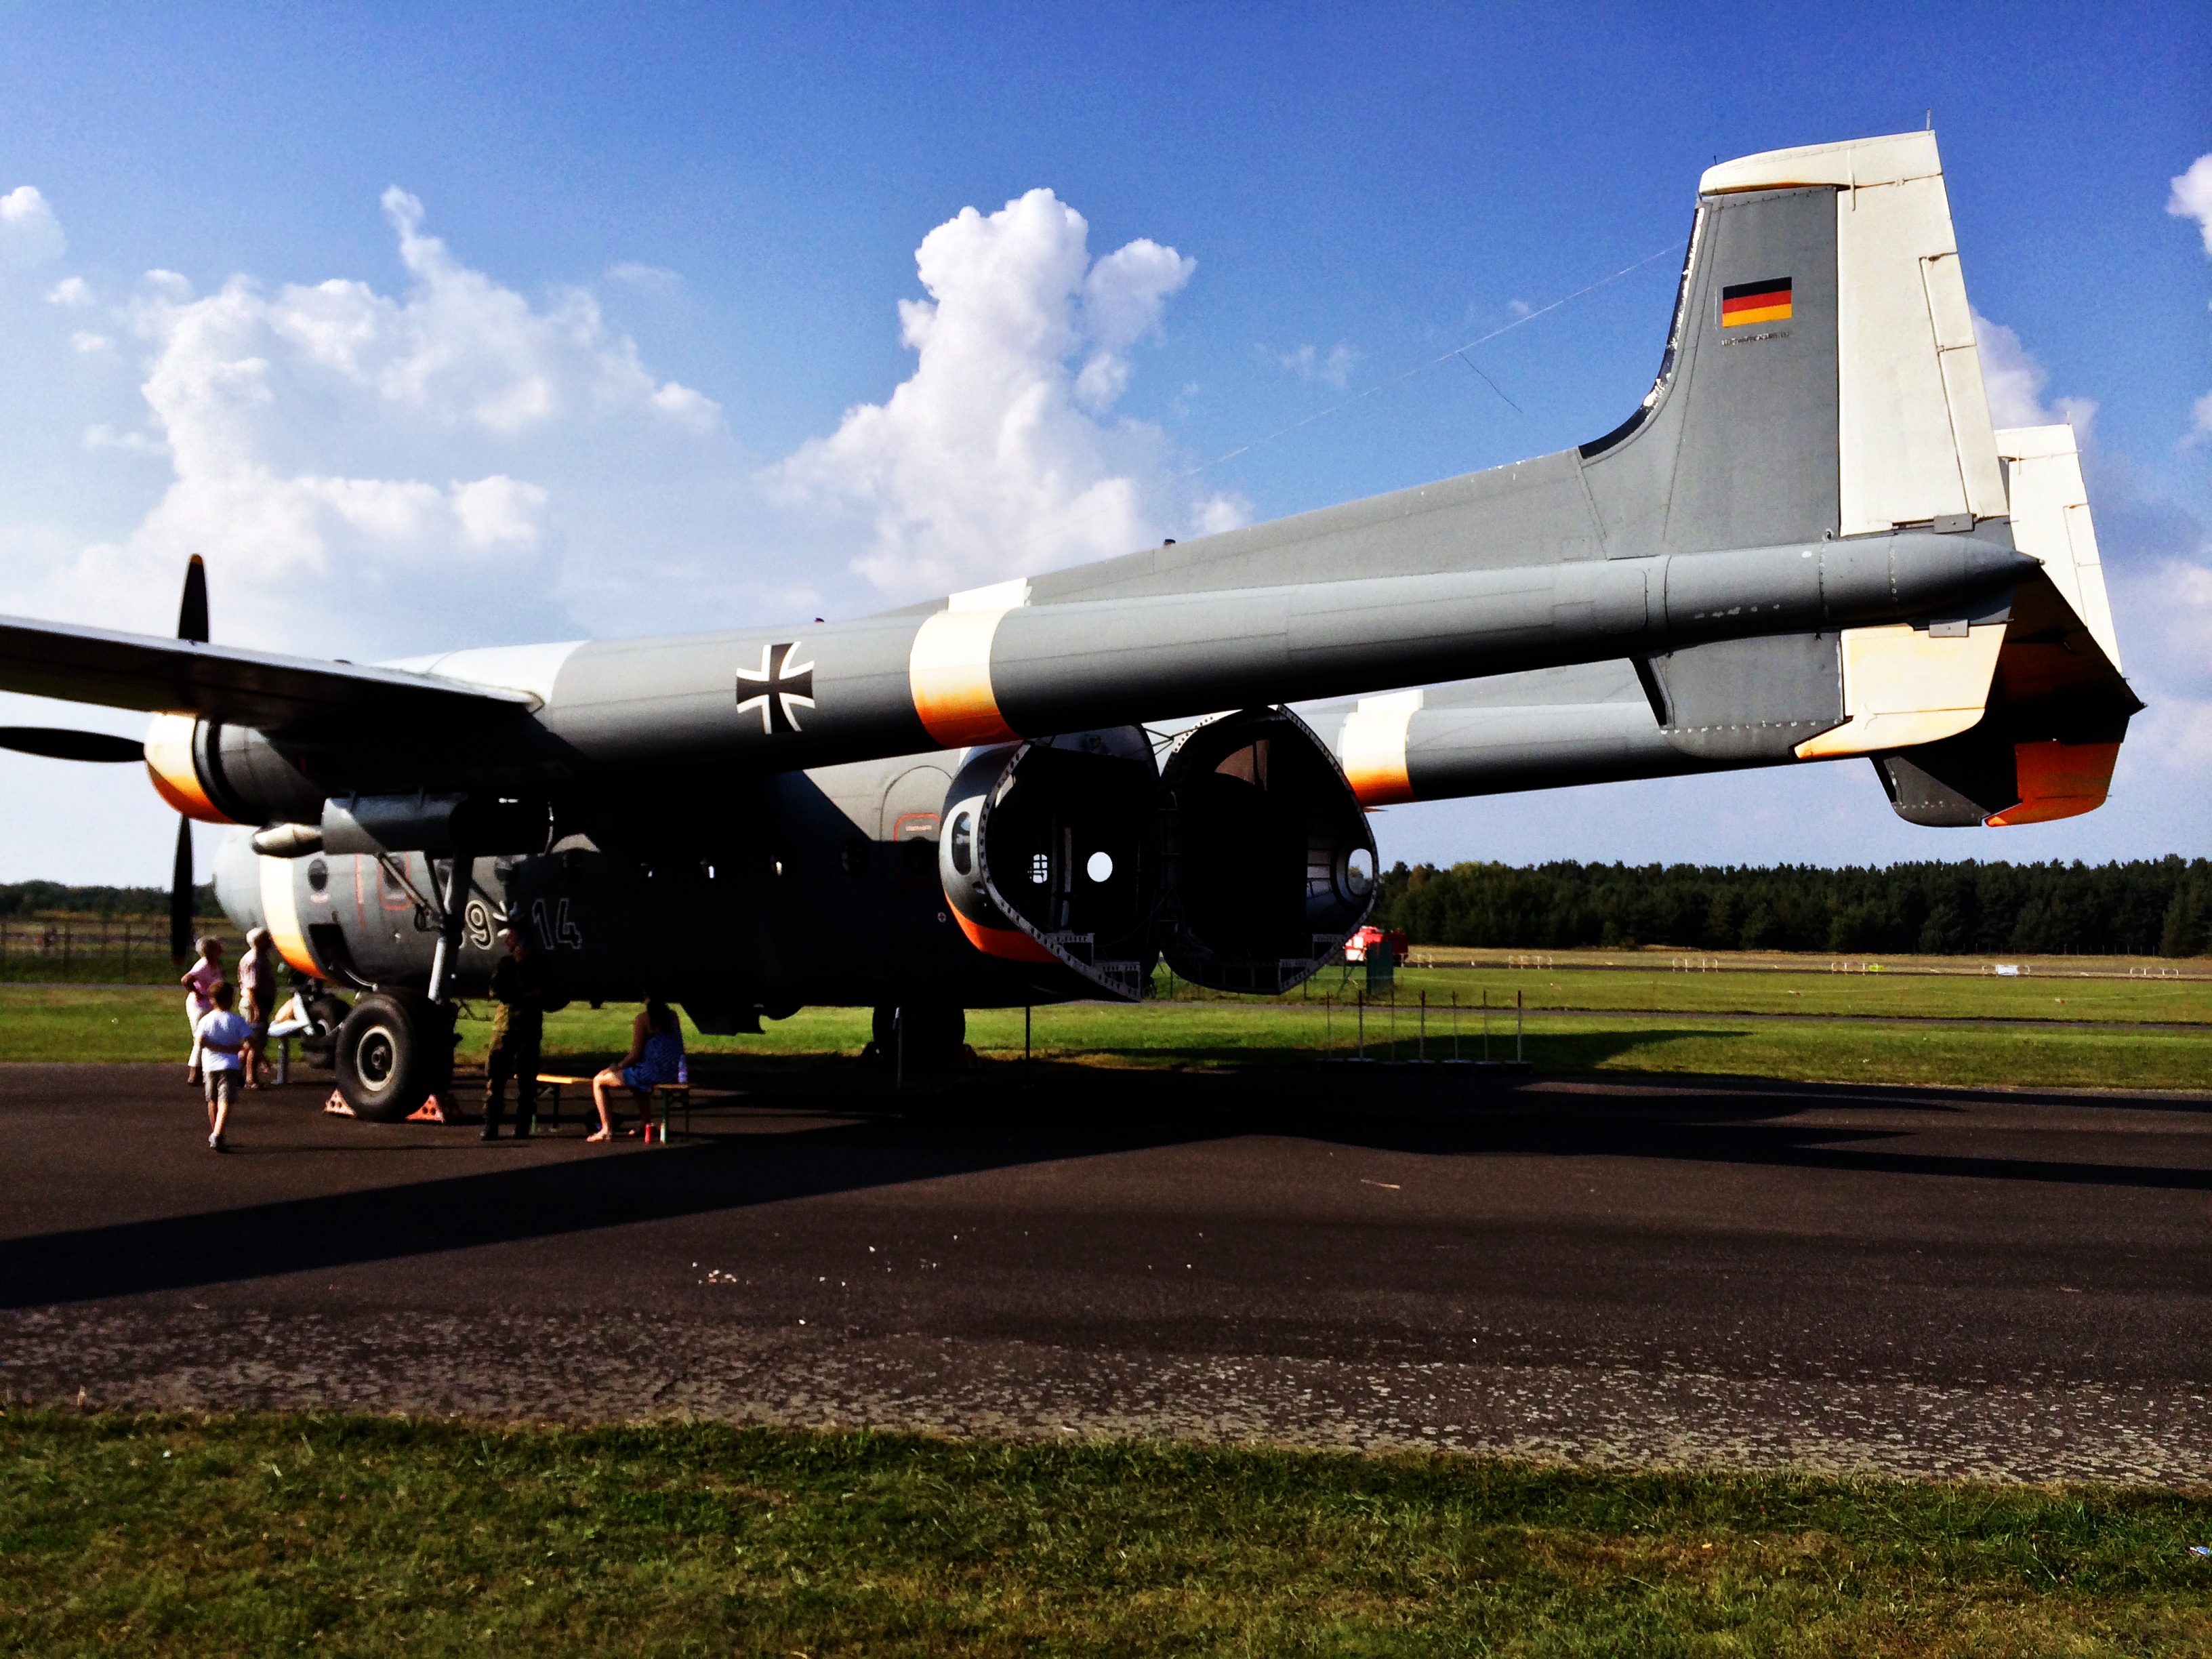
(394, 1050)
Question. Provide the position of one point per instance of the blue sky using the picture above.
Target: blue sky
(591, 374)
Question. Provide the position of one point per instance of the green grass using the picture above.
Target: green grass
(365, 1535)
(65, 1023)
(1893, 995)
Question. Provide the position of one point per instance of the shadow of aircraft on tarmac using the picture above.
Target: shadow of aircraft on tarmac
(1002, 1117)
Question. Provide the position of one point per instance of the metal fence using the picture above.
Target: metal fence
(123, 948)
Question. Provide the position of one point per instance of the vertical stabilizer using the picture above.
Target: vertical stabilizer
(1821, 375)
(1914, 441)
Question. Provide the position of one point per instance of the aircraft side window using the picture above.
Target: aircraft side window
(1359, 872)
(964, 843)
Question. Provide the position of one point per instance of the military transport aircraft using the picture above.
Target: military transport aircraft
(1805, 543)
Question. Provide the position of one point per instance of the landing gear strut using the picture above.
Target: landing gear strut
(933, 1036)
(395, 1049)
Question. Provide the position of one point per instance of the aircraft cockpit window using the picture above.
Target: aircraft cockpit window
(964, 843)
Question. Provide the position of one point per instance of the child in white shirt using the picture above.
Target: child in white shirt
(220, 1039)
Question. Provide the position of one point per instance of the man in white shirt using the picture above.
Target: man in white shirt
(222, 1037)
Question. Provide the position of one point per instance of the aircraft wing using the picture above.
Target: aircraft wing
(259, 689)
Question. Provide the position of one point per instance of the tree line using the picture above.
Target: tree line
(2146, 907)
(33, 898)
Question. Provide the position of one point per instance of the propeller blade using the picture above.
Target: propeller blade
(180, 896)
(59, 743)
(191, 615)
(191, 624)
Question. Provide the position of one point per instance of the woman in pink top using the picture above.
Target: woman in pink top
(199, 982)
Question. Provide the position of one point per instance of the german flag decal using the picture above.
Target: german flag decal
(1755, 302)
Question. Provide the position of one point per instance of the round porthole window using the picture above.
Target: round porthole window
(318, 875)
(1099, 866)
(1359, 872)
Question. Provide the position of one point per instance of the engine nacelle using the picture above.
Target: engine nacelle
(1269, 863)
(1050, 853)
(1245, 864)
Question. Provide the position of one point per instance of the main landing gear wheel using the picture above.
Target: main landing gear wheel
(390, 1055)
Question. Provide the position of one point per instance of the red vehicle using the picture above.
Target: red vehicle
(1356, 947)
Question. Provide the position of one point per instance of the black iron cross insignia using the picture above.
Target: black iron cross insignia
(778, 692)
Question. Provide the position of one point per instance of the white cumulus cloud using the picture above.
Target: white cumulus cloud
(328, 438)
(654, 280)
(2015, 382)
(1333, 368)
(2192, 197)
(29, 232)
(1000, 456)
(463, 347)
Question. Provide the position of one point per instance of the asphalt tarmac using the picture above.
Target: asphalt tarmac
(1924, 1281)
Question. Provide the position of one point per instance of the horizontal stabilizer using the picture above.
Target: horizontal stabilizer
(223, 683)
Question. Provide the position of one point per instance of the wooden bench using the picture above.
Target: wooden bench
(558, 1082)
(665, 1097)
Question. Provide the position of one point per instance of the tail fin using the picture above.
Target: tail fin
(1821, 374)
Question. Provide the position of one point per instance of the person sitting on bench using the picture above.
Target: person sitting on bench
(656, 1056)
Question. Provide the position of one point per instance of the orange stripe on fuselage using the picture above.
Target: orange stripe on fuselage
(949, 673)
(280, 915)
(1007, 944)
(1381, 784)
(176, 779)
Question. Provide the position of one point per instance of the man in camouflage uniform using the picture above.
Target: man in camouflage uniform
(518, 986)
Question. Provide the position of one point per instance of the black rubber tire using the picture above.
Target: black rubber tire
(936, 1037)
(388, 1055)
